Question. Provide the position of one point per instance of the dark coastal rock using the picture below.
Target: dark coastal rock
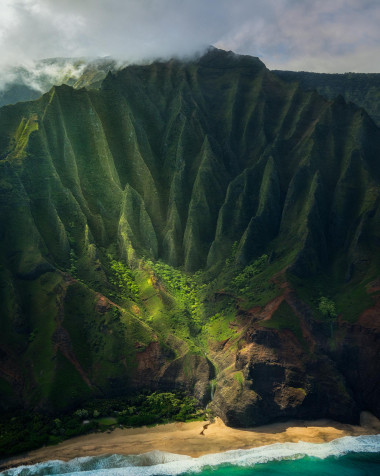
(270, 383)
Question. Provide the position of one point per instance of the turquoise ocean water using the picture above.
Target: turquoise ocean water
(349, 456)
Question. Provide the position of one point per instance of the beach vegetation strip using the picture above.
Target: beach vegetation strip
(24, 431)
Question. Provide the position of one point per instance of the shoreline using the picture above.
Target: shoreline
(192, 439)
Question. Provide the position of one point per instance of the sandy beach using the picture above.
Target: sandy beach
(194, 439)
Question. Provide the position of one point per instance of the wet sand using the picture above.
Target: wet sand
(193, 439)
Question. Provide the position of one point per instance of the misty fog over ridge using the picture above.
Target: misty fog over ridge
(37, 73)
(312, 35)
(28, 79)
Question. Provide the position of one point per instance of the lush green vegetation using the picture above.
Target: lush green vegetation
(185, 288)
(123, 278)
(242, 280)
(327, 307)
(24, 431)
(253, 285)
(284, 318)
(218, 328)
(328, 310)
(239, 377)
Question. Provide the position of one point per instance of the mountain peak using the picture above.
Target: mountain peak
(218, 58)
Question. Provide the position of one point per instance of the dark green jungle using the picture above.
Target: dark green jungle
(202, 227)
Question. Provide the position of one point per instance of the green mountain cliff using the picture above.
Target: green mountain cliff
(196, 225)
(363, 89)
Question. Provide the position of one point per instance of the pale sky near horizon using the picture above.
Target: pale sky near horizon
(308, 35)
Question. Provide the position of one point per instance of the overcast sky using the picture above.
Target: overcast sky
(309, 35)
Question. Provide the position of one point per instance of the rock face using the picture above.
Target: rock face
(283, 376)
(358, 358)
(203, 165)
(273, 378)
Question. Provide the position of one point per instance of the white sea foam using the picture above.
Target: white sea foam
(161, 463)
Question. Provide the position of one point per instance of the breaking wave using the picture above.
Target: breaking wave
(162, 463)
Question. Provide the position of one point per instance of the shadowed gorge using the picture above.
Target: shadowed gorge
(178, 228)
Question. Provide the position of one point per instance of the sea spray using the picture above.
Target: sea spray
(161, 463)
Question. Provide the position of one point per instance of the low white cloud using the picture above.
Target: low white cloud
(315, 35)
